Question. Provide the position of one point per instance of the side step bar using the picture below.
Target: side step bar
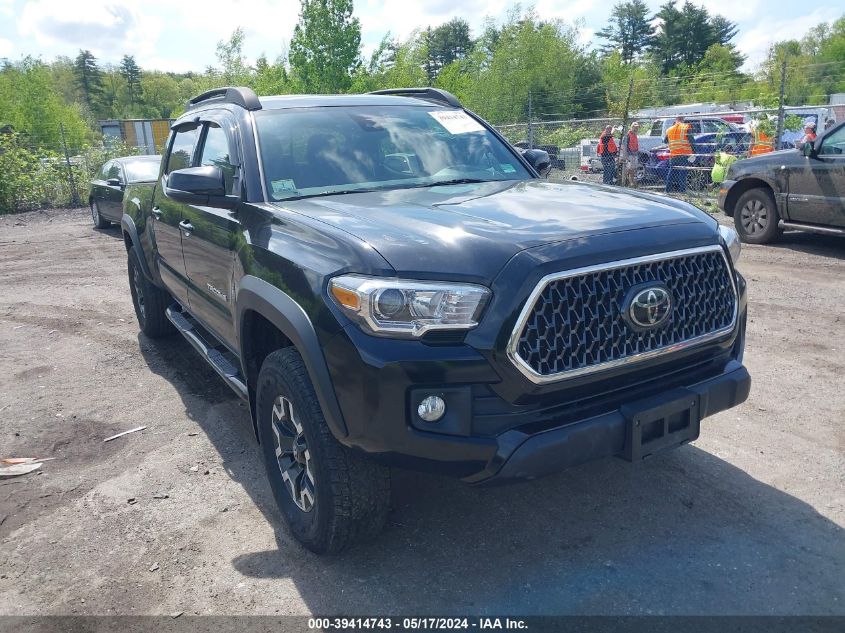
(826, 230)
(228, 372)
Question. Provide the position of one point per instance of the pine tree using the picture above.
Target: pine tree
(686, 33)
(131, 73)
(88, 78)
(628, 31)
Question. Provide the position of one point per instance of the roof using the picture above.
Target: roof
(312, 101)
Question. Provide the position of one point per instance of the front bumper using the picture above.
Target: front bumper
(606, 435)
(487, 436)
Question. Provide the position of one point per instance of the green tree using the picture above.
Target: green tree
(234, 68)
(618, 76)
(629, 31)
(113, 94)
(271, 78)
(685, 34)
(64, 81)
(163, 98)
(325, 48)
(528, 56)
(89, 79)
(33, 107)
(131, 73)
(447, 43)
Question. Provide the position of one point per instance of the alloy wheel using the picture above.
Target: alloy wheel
(139, 291)
(293, 455)
(754, 217)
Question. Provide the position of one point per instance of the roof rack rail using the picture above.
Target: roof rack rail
(243, 97)
(429, 94)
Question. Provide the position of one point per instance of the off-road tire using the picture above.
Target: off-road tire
(756, 217)
(351, 493)
(149, 300)
(96, 218)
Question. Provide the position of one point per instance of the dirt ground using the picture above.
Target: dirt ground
(179, 517)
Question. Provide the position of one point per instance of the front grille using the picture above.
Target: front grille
(573, 323)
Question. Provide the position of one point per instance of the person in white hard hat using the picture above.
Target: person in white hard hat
(809, 133)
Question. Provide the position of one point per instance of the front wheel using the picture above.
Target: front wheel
(330, 496)
(149, 301)
(756, 217)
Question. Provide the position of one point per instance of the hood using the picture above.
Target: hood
(756, 163)
(471, 231)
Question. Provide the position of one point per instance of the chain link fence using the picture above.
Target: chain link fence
(719, 138)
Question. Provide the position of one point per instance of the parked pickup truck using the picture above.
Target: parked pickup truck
(797, 189)
(387, 282)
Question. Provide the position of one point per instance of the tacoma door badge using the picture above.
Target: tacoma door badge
(222, 295)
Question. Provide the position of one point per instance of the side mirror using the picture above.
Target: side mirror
(114, 182)
(809, 150)
(539, 160)
(203, 186)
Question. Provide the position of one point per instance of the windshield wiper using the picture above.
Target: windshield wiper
(320, 194)
(457, 181)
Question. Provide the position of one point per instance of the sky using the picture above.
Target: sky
(181, 35)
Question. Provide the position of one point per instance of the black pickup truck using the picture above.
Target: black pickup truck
(388, 282)
(797, 189)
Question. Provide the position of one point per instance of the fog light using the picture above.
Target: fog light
(431, 409)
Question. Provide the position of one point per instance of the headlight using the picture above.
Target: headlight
(731, 241)
(404, 308)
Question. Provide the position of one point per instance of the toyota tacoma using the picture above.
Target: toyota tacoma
(387, 282)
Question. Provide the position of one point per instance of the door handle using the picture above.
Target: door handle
(156, 213)
(186, 226)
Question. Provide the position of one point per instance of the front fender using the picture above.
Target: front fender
(127, 225)
(291, 320)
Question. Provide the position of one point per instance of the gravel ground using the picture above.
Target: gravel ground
(179, 517)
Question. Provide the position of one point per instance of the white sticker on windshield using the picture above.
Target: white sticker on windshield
(456, 121)
(281, 187)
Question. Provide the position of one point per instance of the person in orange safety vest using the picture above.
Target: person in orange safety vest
(607, 152)
(761, 143)
(679, 137)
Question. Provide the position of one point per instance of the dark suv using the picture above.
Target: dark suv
(388, 282)
(798, 189)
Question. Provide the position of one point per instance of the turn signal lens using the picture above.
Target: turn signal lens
(347, 298)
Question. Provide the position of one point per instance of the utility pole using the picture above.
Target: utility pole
(779, 134)
(623, 152)
(530, 122)
(74, 194)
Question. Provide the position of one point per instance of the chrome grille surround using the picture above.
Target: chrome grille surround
(525, 367)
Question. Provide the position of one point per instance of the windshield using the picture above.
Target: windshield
(142, 170)
(713, 126)
(313, 151)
